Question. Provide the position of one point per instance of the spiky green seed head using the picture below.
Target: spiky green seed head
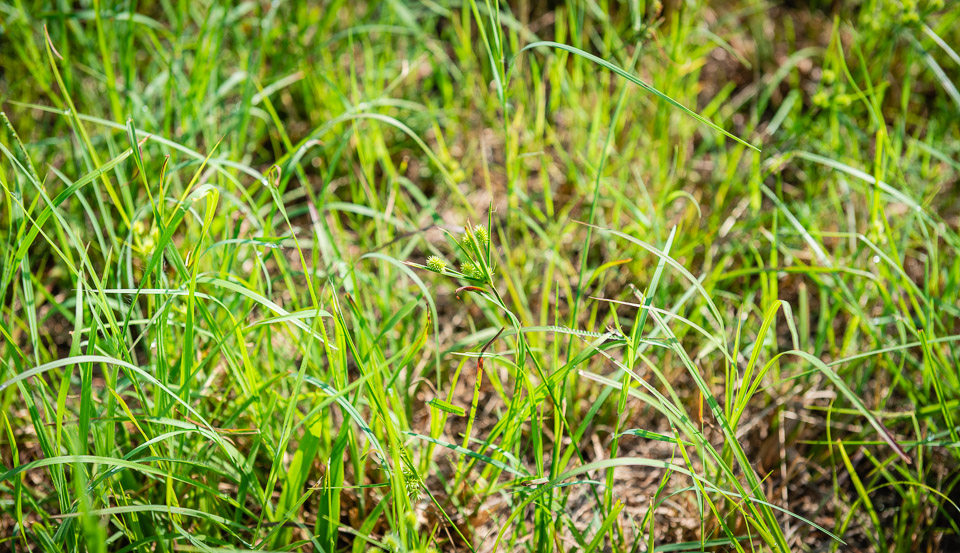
(821, 99)
(483, 237)
(412, 484)
(436, 264)
(470, 270)
(391, 542)
(145, 240)
(411, 519)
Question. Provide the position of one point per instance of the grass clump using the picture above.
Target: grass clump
(713, 304)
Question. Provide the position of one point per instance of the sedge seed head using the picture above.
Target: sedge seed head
(410, 518)
(436, 264)
(470, 270)
(483, 237)
(412, 484)
(391, 542)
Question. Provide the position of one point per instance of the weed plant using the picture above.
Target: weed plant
(593, 275)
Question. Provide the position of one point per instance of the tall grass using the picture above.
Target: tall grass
(692, 279)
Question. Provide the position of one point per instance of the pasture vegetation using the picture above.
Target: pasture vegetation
(467, 276)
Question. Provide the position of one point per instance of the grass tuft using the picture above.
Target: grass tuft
(588, 276)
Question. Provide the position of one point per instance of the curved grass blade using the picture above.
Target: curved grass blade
(472, 454)
(635, 80)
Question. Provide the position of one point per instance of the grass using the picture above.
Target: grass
(692, 282)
